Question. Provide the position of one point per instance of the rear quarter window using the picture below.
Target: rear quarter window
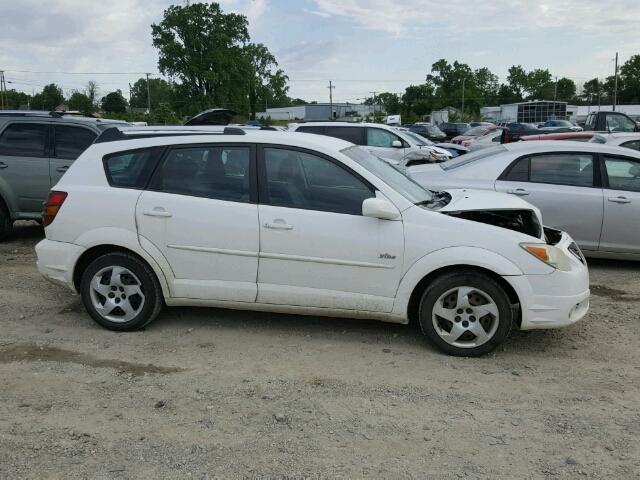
(130, 169)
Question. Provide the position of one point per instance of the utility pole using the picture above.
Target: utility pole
(330, 87)
(555, 96)
(463, 80)
(4, 100)
(148, 95)
(615, 85)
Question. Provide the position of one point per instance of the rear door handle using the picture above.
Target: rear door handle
(62, 169)
(3, 165)
(619, 199)
(156, 212)
(518, 191)
(278, 224)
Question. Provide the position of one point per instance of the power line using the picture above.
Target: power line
(76, 73)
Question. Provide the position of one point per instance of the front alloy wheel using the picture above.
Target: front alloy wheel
(465, 313)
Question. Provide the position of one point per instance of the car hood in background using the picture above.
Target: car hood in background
(214, 116)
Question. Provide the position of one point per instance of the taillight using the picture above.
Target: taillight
(52, 206)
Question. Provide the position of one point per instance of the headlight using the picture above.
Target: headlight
(549, 254)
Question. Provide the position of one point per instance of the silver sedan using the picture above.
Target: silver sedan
(590, 190)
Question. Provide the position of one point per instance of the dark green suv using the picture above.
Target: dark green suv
(36, 148)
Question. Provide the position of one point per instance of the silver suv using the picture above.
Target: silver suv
(36, 148)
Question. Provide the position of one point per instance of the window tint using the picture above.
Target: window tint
(623, 174)
(350, 134)
(72, 141)
(634, 144)
(376, 137)
(220, 173)
(23, 140)
(619, 123)
(562, 169)
(519, 172)
(301, 180)
(311, 129)
(129, 169)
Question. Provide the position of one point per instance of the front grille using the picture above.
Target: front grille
(573, 248)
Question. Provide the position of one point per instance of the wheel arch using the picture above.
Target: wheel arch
(96, 251)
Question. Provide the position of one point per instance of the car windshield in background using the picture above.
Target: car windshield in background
(475, 131)
(559, 123)
(418, 140)
(388, 174)
(472, 157)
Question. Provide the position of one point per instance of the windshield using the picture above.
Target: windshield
(472, 157)
(418, 140)
(475, 131)
(389, 175)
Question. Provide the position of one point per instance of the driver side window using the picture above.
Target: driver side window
(623, 174)
(618, 123)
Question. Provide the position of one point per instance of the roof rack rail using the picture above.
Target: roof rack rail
(118, 133)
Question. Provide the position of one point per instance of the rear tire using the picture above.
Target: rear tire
(465, 313)
(121, 292)
(6, 222)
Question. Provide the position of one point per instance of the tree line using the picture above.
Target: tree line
(208, 60)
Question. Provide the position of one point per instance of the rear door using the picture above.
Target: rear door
(24, 166)
(69, 141)
(200, 211)
(565, 186)
(621, 226)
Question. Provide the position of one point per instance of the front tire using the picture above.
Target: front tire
(121, 292)
(465, 313)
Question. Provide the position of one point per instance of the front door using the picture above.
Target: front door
(24, 166)
(316, 248)
(200, 212)
(562, 186)
(621, 227)
(379, 142)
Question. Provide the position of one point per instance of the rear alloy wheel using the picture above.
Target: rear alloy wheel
(465, 314)
(120, 292)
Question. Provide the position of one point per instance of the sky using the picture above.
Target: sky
(361, 45)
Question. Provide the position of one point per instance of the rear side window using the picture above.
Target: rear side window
(350, 134)
(130, 169)
(216, 172)
(23, 140)
(634, 144)
(623, 174)
(311, 129)
(518, 172)
(70, 142)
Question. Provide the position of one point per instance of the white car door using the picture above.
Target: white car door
(562, 185)
(379, 142)
(316, 248)
(201, 213)
(621, 228)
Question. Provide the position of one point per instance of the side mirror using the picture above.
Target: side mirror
(396, 144)
(379, 208)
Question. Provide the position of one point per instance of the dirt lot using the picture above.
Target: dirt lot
(221, 394)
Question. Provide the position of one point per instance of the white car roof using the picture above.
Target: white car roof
(522, 148)
(342, 124)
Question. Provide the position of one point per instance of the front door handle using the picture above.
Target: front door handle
(619, 199)
(278, 224)
(519, 191)
(62, 169)
(156, 212)
(3, 165)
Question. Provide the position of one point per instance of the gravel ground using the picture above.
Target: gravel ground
(206, 393)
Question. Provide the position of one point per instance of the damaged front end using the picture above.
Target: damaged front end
(521, 220)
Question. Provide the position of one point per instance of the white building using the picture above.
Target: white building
(320, 111)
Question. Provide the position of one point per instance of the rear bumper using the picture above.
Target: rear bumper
(56, 261)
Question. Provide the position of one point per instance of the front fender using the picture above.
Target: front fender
(129, 240)
(448, 257)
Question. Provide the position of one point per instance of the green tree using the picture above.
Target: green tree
(390, 102)
(266, 84)
(630, 80)
(49, 99)
(201, 46)
(566, 90)
(16, 99)
(161, 92)
(81, 102)
(114, 102)
(591, 91)
(518, 82)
